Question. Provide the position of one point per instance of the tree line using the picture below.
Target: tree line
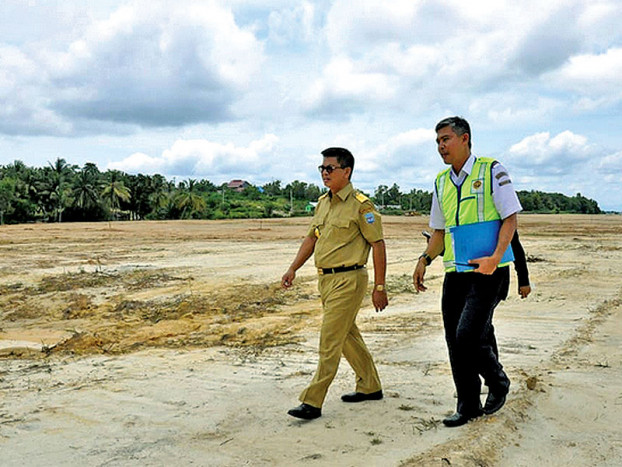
(62, 192)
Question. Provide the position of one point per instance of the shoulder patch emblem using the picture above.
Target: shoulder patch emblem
(370, 218)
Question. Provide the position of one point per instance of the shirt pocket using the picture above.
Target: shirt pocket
(341, 230)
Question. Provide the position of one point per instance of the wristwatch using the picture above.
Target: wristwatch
(427, 258)
(379, 287)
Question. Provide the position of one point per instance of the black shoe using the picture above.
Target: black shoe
(459, 419)
(361, 396)
(305, 411)
(493, 402)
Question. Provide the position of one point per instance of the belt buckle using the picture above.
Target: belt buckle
(320, 271)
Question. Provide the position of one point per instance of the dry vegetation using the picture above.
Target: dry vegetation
(102, 312)
(86, 288)
(116, 288)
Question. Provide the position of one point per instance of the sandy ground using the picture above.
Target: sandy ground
(170, 343)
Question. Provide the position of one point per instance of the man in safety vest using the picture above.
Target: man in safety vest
(472, 190)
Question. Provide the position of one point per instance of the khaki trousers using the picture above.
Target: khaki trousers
(342, 294)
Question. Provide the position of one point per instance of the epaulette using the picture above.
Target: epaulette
(323, 196)
(361, 197)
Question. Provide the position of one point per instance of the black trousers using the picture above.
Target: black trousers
(468, 303)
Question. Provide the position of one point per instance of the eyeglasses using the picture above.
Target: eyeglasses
(329, 168)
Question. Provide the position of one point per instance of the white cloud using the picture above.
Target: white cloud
(203, 158)
(22, 102)
(600, 21)
(547, 42)
(504, 108)
(343, 86)
(292, 25)
(147, 64)
(398, 151)
(408, 159)
(596, 77)
(567, 163)
(611, 167)
(559, 154)
(155, 66)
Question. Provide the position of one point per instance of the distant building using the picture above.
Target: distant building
(310, 207)
(238, 185)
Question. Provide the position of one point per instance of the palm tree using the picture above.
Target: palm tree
(114, 191)
(7, 196)
(160, 197)
(57, 190)
(27, 189)
(61, 198)
(189, 201)
(85, 194)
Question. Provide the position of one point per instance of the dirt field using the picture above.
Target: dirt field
(171, 343)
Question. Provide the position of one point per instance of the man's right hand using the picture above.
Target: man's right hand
(288, 278)
(418, 276)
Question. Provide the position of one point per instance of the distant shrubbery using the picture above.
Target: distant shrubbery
(537, 201)
(62, 192)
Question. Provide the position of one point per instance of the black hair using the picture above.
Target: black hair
(344, 157)
(458, 125)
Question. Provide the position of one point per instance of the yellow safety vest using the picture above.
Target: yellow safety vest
(467, 203)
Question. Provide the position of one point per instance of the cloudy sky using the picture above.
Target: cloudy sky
(255, 89)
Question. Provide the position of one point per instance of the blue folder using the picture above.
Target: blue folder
(472, 241)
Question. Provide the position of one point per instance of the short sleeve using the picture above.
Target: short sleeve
(314, 223)
(437, 219)
(503, 193)
(370, 222)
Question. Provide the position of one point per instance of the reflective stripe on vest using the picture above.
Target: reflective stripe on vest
(467, 203)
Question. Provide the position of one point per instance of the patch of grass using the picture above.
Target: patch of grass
(535, 259)
(421, 425)
(140, 279)
(72, 281)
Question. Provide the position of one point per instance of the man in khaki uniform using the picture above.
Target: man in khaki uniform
(344, 228)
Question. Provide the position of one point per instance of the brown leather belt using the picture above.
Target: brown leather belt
(322, 271)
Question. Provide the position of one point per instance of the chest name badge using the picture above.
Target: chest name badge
(369, 217)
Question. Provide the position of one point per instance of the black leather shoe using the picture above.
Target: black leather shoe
(459, 419)
(305, 411)
(493, 402)
(361, 396)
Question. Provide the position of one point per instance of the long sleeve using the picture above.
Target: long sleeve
(520, 262)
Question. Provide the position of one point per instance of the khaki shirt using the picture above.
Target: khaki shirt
(345, 224)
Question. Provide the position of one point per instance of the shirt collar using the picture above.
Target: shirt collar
(345, 191)
(467, 167)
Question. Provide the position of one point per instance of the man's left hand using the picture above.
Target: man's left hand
(524, 291)
(379, 299)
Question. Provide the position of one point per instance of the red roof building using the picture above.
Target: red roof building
(237, 185)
